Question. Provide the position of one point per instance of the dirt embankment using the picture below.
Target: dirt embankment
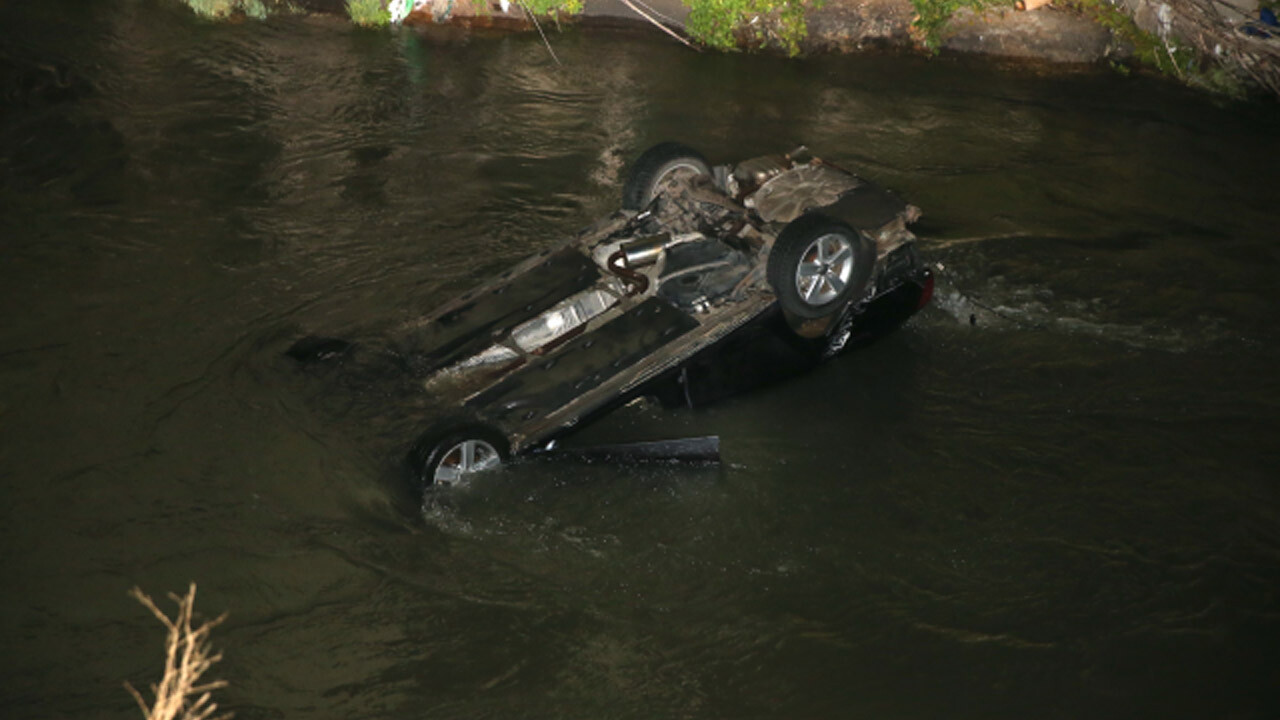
(839, 26)
(1180, 37)
(1047, 33)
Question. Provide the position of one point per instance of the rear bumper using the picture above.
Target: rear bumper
(767, 350)
(893, 307)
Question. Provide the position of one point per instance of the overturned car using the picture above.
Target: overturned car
(708, 280)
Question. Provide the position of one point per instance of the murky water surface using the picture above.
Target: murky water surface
(1052, 495)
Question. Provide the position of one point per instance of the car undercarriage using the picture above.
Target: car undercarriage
(699, 258)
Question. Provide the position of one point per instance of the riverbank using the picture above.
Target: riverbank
(1228, 46)
(1048, 33)
(1223, 45)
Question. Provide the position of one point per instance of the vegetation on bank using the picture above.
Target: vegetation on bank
(1218, 58)
(368, 13)
(720, 24)
(1170, 56)
(932, 16)
(223, 8)
(723, 23)
(551, 7)
(1148, 49)
(1188, 62)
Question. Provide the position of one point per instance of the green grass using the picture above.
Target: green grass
(257, 9)
(932, 16)
(551, 7)
(720, 23)
(368, 13)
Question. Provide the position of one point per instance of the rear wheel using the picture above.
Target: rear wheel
(818, 264)
(654, 166)
(453, 457)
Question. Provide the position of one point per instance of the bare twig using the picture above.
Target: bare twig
(657, 24)
(536, 24)
(1173, 61)
(180, 695)
(652, 11)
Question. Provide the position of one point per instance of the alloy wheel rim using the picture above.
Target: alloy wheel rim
(824, 270)
(467, 457)
(669, 173)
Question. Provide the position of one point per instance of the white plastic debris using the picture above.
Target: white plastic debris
(1164, 16)
(400, 9)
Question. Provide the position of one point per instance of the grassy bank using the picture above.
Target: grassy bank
(258, 9)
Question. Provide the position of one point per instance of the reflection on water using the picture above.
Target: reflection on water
(1050, 495)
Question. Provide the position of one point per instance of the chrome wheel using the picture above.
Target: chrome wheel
(824, 269)
(464, 458)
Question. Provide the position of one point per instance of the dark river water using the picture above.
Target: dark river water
(1053, 494)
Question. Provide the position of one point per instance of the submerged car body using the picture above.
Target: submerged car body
(786, 250)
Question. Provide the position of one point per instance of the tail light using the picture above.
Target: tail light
(926, 289)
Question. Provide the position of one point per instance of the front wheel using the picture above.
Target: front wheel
(453, 457)
(654, 166)
(818, 264)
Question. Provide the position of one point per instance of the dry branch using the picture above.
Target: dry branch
(180, 695)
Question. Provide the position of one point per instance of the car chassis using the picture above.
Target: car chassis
(783, 249)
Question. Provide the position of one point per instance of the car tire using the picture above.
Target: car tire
(653, 166)
(818, 264)
(451, 457)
